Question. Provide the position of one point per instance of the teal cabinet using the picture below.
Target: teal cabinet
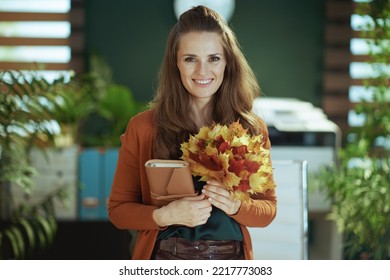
(96, 172)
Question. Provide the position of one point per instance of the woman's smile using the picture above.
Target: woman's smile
(203, 82)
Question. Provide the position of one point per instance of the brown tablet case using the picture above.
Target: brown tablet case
(169, 180)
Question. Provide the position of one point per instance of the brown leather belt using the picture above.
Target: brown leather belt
(179, 248)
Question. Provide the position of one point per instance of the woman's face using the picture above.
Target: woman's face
(201, 62)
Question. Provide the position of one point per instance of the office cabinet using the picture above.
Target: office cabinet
(286, 238)
(96, 172)
(300, 131)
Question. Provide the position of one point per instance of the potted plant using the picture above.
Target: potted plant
(358, 185)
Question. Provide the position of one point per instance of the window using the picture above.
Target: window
(337, 58)
(42, 35)
(360, 68)
(346, 63)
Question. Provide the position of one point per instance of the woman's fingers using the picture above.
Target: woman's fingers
(189, 211)
(221, 198)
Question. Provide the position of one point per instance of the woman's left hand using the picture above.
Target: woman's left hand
(221, 198)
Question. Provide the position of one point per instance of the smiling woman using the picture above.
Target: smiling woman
(204, 79)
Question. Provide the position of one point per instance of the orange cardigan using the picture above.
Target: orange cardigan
(130, 205)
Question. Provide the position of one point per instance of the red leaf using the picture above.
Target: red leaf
(201, 144)
(210, 162)
(243, 186)
(236, 166)
(251, 166)
(240, 151)
(223, 147)
(221, 144)
(219, 140)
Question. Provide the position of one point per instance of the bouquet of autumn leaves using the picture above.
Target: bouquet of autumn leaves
(231, 156)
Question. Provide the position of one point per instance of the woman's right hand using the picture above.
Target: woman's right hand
(188, 211)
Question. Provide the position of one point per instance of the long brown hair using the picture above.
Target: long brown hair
(232, 102)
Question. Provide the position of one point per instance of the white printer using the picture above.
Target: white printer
(299, 131)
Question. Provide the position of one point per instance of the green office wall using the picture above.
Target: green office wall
(282, 40)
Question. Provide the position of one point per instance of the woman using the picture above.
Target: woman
(204, 79)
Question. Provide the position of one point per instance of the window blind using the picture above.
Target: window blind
(337, 60)
(42, 35)
(345, 63)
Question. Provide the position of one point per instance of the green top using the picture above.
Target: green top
(218, 227)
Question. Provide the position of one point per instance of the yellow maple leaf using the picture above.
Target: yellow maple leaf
(203, 133)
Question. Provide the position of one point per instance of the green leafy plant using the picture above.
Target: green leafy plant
(114, 108)
(73, 103)
(358, 185)
(25, 118)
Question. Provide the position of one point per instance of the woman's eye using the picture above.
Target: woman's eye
(190, 59)
(214, 58)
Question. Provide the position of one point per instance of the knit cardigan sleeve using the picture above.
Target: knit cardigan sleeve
(129, 205)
